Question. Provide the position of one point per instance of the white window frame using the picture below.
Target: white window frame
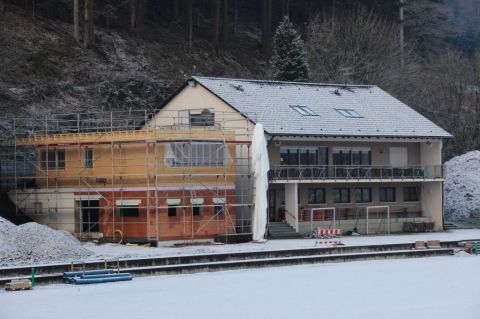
(304, 110)
(349, 113)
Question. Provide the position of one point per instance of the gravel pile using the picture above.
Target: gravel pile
(35, 243)
(462, 186)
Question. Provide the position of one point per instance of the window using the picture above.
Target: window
(304, 110)
(387, 194)
(352, 156)
(172, 210)
(341, 195)
(196, 210)
(219, 210)
(127, 207)
(52, 159)
(204, 118)
(363, 195)
(88, 154)
(196, 202)
(196, 154)
(173, 204)
(348, 112)
(129, 211)
(304, 156)
(411, 194)
(316, 195)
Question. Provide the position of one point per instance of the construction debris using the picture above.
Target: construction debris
(23, 284)
(35, 243)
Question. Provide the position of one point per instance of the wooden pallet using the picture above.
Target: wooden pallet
(23, 284)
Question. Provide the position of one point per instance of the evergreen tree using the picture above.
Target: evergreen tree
(288, 60)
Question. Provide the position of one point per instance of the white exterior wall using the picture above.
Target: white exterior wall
(432, 202)
(291, 205)
(431, 152)
(57, 206)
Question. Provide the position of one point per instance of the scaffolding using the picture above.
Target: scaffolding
(163, 175)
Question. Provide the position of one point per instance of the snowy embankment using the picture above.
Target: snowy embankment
(462, 186)
(439, 287)
(34, 243)
(121, 251)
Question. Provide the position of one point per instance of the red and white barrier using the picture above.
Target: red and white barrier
(328, 242)
(328, 232)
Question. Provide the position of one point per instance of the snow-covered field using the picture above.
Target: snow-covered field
(438, 287)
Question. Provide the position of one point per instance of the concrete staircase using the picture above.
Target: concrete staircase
(448, 226)
(279, 230)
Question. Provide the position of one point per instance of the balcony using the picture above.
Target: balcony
(353, 173)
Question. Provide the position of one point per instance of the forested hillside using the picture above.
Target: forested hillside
(85, 55)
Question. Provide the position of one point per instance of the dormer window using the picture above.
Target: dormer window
(304, 110)
(348, 112)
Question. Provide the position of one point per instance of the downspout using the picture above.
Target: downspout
(443, 191)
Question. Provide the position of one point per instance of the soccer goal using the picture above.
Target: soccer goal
(322, 214)
(377, 220)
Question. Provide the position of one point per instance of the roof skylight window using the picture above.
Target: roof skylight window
(304, 110)
(348, 112)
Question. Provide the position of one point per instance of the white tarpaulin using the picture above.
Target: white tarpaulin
(261, 167)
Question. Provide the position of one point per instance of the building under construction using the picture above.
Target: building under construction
(116, 175)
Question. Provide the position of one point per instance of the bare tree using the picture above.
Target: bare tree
(225, 23)
(176, 10)
(76, 20)
(425, 26)
(189, 16)
(216, 23)
(360, 42)
(285, 8)
(235, 17)
(133, 14)
(267, 26)
(88, 27)
(449, 93)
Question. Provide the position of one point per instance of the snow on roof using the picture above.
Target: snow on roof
(273, 104)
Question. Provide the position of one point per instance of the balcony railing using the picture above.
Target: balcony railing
(353, 172)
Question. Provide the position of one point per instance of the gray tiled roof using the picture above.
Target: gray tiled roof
(269, 102)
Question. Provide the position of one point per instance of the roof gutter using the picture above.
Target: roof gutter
(364, 136)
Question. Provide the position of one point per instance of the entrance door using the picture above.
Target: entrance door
(90, 216)
(271, 205)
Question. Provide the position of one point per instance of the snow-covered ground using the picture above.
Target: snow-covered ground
(462, 186)
(438, 287)
(121, 251)
(114, 251)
